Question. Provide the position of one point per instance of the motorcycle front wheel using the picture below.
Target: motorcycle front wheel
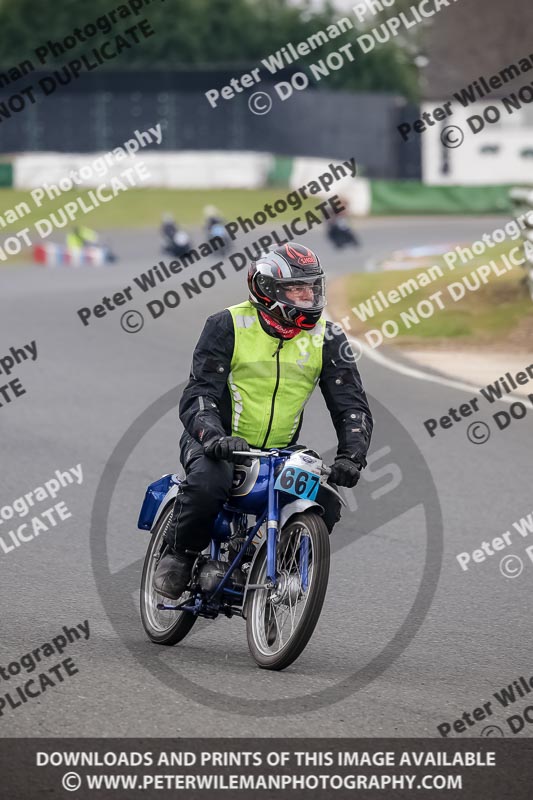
(162, 627)
(281, 621)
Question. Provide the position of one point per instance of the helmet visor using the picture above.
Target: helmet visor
(304, 293)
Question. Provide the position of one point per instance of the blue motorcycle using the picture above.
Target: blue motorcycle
(216, 230)
(273, 573)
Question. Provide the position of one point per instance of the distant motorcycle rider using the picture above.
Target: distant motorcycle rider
(254, 368)
(176, 242)
(81, 236)
(212, 216)
(168, 227)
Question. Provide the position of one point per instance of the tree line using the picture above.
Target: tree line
(206, 33)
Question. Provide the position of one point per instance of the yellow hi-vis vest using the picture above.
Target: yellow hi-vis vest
(75, 241)
(269, 384)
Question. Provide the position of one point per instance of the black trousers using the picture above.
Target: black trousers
(203, 493)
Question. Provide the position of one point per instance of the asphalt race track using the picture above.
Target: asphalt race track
(407, 641)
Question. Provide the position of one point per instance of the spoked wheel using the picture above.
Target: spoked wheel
(162, 627)
(281, 621)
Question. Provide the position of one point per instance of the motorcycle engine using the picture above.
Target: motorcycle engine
(211, 573)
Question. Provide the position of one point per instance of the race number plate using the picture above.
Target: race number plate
(299, 482)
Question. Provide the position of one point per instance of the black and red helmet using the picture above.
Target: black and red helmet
(289, 284)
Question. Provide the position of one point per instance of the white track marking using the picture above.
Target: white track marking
(419, 374)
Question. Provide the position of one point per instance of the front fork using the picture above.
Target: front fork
(273, 535)
(272, 524)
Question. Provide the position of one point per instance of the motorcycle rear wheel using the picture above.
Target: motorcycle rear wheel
(162, 627)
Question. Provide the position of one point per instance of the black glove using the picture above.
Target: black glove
(344, 472)
(221, 449)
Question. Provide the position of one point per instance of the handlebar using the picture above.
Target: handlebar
(258, 453)
(271, 454)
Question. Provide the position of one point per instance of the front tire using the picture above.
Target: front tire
(281, 621)
(162, 627)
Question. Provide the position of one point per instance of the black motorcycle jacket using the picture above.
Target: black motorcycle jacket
(205, 407)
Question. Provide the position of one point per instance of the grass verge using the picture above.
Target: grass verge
(144, 207)
(500, 312)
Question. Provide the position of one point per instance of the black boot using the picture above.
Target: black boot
(173, 574)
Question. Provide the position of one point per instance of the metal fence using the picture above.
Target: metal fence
(100, 111)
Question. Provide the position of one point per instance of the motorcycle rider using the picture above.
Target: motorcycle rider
(168, 227)
(81, 236)
(338, 230)
(215, 230)
(176, 242)
(254, 368)
(212, 216)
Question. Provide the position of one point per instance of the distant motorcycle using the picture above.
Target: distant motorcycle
(341, 234)
(109, 256)
(177, 244)
(218, 231)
